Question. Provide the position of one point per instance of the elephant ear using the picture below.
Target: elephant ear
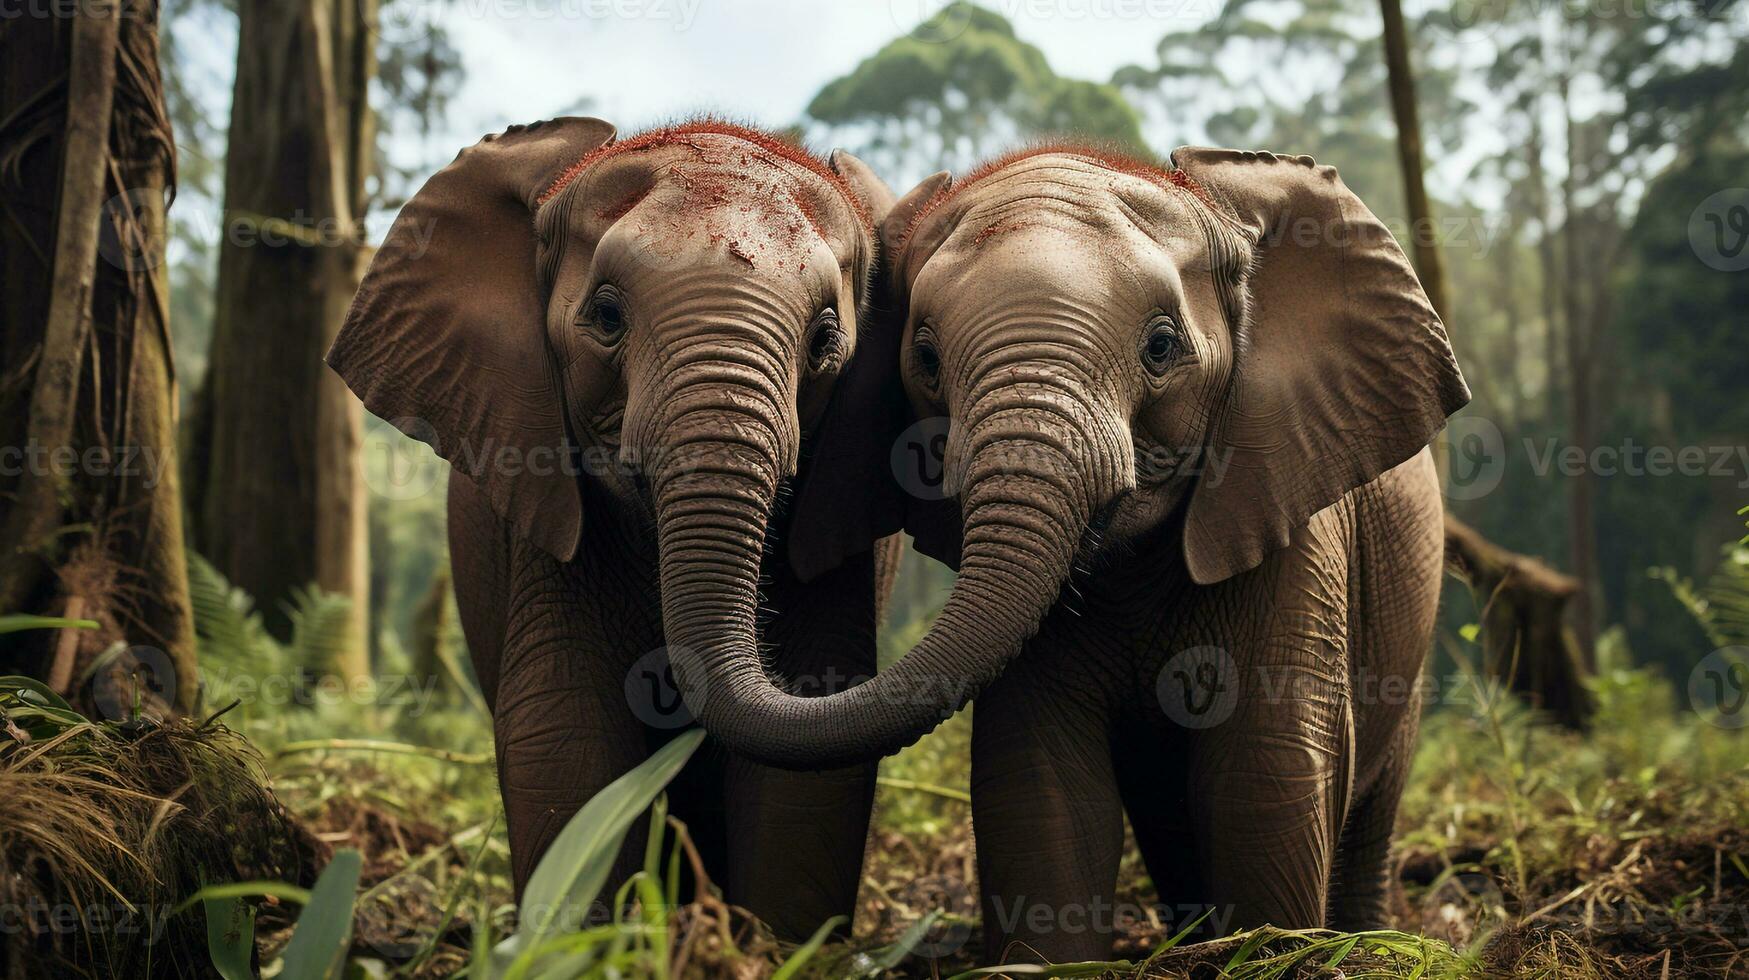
(846, 499)
(1342, 368)
(446, 338)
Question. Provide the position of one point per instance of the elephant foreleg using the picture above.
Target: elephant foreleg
(796, 839)
(1047, 817)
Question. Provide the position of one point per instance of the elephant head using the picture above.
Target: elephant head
(665, 316)
(1216, 350)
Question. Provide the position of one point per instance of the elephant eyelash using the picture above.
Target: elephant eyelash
(926, 357)
(605, 312)
(1162, 345)
(826, 342)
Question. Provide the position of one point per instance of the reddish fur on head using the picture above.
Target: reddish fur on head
(768, 143)
(1106, 157)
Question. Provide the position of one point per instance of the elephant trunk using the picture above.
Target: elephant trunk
(1028, 493)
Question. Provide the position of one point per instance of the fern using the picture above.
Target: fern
(226, 624)
(233, 640)
(1721, 606)
(320, 622)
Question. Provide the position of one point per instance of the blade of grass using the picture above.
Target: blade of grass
(284, 891)
(21, 621)
(320, 940)
(579, 860)
(230, 936)
(806, 951)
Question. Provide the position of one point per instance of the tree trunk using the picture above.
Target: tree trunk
(282, 496)
(1581, 533)
(1524, 642)
(87, 398)
(1523, 646)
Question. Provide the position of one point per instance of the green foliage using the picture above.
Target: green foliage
(960, 86)
(318, 945)
(571, 874)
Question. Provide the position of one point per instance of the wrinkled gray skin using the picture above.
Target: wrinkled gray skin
(1244, 510)
(681, 312)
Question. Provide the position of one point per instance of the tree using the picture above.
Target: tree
(958, 87)
(280, 496)
(93, 528)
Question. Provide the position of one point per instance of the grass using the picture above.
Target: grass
(1523, 849)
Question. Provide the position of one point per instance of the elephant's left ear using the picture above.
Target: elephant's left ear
(846, 497)
(1343, 369)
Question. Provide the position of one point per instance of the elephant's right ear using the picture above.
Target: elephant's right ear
(1343, 369)
(446, 338)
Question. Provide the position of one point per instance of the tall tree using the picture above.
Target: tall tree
(93, 525)
(958, 87)
(281, 499)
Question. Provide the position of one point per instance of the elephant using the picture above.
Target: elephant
(642, 358)
(1188, 490)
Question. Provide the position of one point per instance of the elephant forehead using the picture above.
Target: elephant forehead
(758, 220)
(726, 160)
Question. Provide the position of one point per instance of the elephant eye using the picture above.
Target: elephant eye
(605, 311)
(926, 358)
(826, 342)
(1161, 347)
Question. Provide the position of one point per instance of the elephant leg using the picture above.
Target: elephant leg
(1361, 882)
(1151, 782)
(563, 733)
(796, 839)
(1394, 589)
(1047, 818)
(1270, 782)
(559, 722)
(552, 644)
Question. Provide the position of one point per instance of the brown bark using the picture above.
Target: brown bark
(1581, 530)
(1523, 640)
(1424, 242)
(282, 495)
(1525, 643)
(88, 164)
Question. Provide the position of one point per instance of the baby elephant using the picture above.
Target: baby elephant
(1187, 479)
(629, 350)
(1208, 392)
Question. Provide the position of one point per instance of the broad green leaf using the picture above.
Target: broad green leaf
(230, 936)
(579, 860)
(318, 945)
(33, 691)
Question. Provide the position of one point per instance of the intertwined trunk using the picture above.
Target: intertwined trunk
(93, 513)
(1025, 502)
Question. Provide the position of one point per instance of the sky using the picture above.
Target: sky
(647, 61)
(639, 63)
